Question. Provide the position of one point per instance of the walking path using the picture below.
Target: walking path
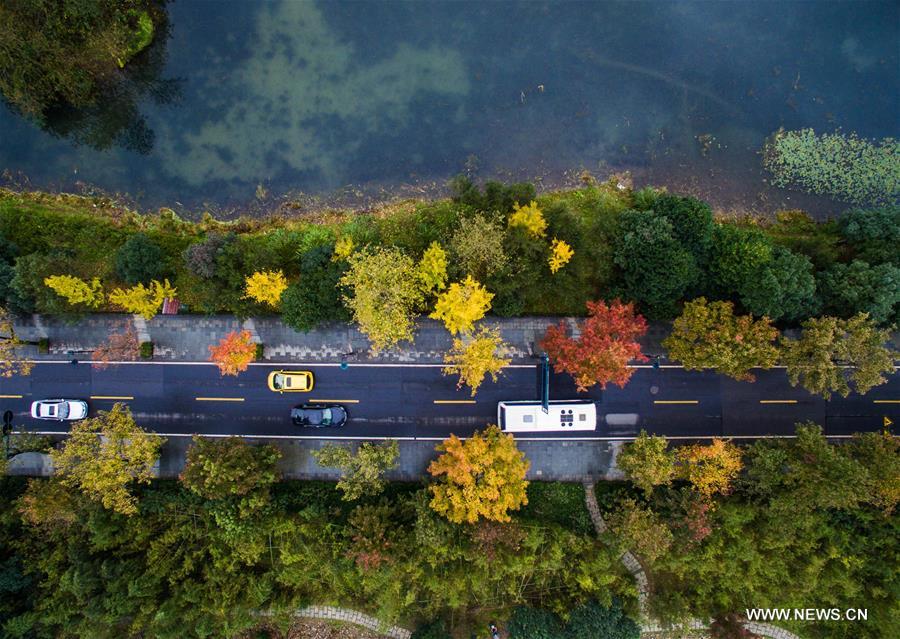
(631, 563)
(188, 337)
(330, 613)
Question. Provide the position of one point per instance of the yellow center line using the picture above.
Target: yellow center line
(886, 401)
(335, 401)
(778, 401)
(219, 399)
(10, 397)
(112, 397)
(454, 401)
(675, 401)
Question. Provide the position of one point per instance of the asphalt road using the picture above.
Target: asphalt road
(418, 401)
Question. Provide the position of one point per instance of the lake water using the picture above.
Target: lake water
(246, 102)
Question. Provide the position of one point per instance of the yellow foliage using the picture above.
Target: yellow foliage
(104, 454)
(76, 290)
(432, 269)
(463, 304)
(560, 254)
(343, 248)
(266, 287)
(482, 477)
(530, 218)
(143, 300)
(474, 358)
(712, 468)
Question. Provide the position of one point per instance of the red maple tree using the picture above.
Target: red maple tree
(233, 353)
(600, 354)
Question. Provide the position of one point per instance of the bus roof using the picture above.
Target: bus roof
(528, 416)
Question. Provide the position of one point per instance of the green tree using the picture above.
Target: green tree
(481, 477)
(104, 455)
(534, 623)
(783, 288)
(739, 253)
(592, 620)
(874, 234)
(848, 289)
(655, 269)
(316, 297)
(691, 220)
(710, 335)
(647, 462)
(826, 345)
(385, 292)
(219, 468)
(477, 246)
(362, 472)
(140, 260)
(879, 453)
(638, 529)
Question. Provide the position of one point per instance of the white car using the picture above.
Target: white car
(59, 409)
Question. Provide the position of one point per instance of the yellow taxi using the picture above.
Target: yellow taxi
(291, 381)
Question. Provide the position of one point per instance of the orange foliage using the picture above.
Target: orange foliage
(234, 353)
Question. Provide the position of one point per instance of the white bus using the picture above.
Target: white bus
(563, 416)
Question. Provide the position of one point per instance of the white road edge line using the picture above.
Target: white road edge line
(440, 439)
(350, 364)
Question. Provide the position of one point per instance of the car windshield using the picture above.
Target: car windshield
(276, 381)
(326, 416)
(63, 410)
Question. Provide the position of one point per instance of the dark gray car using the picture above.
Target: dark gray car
(319, 415)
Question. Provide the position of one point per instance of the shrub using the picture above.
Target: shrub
(44, 345)
(843, 166)
(146, 350)
(140, 260)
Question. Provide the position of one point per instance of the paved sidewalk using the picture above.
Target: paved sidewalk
(553, 460)
(188, 337)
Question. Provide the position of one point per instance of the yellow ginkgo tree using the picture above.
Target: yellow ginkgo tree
(432, 269)
(560, 254)
(143, 300)
(77, 290)
(530, 218)
(266, 287)
(461, 305)
(475, 357)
